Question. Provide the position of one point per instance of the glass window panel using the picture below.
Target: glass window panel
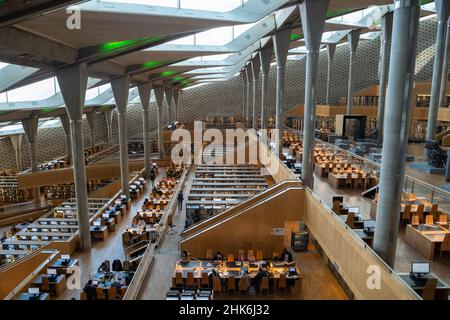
(216, 57)
(36, 91)
(189, 40)
(216, 5)
(94, 92)
(160, 3)
(240, 29)
(215, 37)
(2, 97)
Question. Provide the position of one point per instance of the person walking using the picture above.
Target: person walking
(180, 201)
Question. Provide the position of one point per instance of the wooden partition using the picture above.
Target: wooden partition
(13, 274)
(352, 258)
(257, 227)
(107, 191)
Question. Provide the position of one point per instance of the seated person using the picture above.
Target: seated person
(90, 291)
(185, 256)
(103, 267)
(258, 278)
(219, 256)
(146, 203)
(286, 256)
(241, 256)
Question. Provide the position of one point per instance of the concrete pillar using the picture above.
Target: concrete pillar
(331, 49)
(92, 118)
(244, 94)
(265, 56)
(442, 10)
(397, 115)
(312, 14)
(168, 90)
(30, 126)
(65, 122)
(176, 100)
(159, 95)
(256, 70)
(353, 40)
(16, 141)
(281, 40)
(109, 118)
(120, 87)
(445, 66)
(249, 73)
(144, 95)
(386, 36)
(72, 82)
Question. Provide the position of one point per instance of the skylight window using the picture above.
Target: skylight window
(215, 37)
(159, 3)
(216, 5)
(95, 92)
(36, 91)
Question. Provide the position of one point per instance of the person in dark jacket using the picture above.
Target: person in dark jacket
(90, 291)
(286, 256)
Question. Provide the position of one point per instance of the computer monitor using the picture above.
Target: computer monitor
(105, 215)
(355, 210)
(338, 198)
(292, 269)
(33, 290)
(94, 282)
(369, 225)
(420, 268)
(97, 224)
(52, 272)
(65, 257)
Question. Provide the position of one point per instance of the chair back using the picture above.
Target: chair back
(350, 219)
(45, 285)
(406, 215)
(275, 255)
(336, 207)
(443, 218)
(179, 278)
(217, 284)
(259, 255)
(112, 293)
(190, 280)
(265, 283)
(420, 209)
(429, 219)
(230, 258)
(434, 211)
(169, 220)
(231, 284)
(83, 295)
(429, 289)
(205, 279)
(100, 293)
(126, 265)
(282, 282)
(209, 254)
(415, 220)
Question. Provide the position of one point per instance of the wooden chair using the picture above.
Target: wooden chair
(282, 283)
(190, 281)
(230, 258)
(275, 255)
(100, 293)
(45, 285)
(406, 215)
(429, 290)
(349, 180)
(264, 285)
(83, 295)
(259, 255)
(205, 280)
(126, 265)
(243, 285)
(209, 254)
(112, 293)
(179, 279)
(443, 218)
(231, 285)
(350, 220)
(434, 211)
(123, 290)
(359, 181)
(445, 245)
(419, 212)
(429, 219)
(415, 220)
(336, 207)
(217, 285)
(251, 255)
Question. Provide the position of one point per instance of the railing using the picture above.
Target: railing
(351, 256)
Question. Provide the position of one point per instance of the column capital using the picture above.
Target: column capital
(121, 87)
(265, 56)
(144, 94)
(281, 40)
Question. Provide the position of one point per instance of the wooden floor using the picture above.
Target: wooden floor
(319, 283)
(111, 248)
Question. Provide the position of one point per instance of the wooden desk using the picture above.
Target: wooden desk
(99, 233)
(61, 267)
(425, 240)
(57, 285)
(366, 237)
(27, 296)
(442, 288)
